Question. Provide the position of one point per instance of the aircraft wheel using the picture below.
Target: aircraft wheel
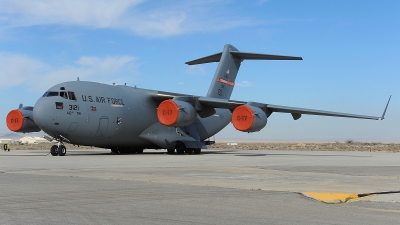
(180, 151)
(122, 151)
(189, 151)
(180, 148)
(171, 151)
(62, 150)
(54, 150)
(197, 151)
(139, 151)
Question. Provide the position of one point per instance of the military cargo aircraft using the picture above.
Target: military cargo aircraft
(129, 119)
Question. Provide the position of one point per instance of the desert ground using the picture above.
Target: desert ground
(335, 146)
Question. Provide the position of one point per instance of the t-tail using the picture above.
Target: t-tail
(229, 63)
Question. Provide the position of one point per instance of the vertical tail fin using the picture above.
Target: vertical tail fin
(225, 75)
(229, 62)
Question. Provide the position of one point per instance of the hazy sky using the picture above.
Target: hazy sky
(351, 55)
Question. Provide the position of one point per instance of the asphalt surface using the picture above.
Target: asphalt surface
(216, 187)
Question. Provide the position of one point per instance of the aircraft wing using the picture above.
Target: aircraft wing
(296, 112)
(293, 110)
(207, 102)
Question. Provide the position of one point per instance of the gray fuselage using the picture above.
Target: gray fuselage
(94, 114)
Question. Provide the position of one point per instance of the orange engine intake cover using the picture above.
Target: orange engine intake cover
(243, 118)
(15, 120)
(168, 112)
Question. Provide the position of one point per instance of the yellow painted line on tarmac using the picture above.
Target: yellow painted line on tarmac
(331, 197)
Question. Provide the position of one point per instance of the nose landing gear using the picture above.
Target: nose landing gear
(58, 149)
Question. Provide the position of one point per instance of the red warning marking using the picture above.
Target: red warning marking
(226, 82)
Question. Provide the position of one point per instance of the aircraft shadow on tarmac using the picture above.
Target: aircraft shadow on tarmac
(212, 152)
(162, 152)
(144, 153)
(41, 155)
(97, 153)
(219, 152)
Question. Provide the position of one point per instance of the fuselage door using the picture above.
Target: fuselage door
(103, 126)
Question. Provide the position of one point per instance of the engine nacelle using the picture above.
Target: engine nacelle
(176, 113)
(249, 118)
(21, 120)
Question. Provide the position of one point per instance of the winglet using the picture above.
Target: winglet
(384, 112)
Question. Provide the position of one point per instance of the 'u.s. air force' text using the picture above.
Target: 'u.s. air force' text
(100, 99)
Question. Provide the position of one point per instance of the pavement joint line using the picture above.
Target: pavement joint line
(379, 193)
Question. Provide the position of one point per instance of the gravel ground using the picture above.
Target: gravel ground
(348, 146)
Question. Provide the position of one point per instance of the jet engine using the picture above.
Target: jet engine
(176, 113)
(21, 120)
(249, 118)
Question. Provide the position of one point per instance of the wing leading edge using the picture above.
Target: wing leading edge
(207, 102)
(296, 112)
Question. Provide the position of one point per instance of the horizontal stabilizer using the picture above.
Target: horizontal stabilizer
(207, 59)
(257, 56)
(242, 56)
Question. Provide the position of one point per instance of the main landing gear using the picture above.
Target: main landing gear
(58, 150)
(181, 149)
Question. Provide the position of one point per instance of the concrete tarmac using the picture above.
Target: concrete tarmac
(216, 187)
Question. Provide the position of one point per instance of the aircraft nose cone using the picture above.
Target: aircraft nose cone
(42, 113)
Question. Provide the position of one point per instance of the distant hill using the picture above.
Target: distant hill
(12, 136)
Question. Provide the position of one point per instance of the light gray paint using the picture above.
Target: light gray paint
(118, 116)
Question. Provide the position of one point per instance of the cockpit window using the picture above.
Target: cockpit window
(52, 93)
(67, 95)
(71, 95)
(64, 94)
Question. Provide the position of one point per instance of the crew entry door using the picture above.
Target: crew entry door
(103, 126)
